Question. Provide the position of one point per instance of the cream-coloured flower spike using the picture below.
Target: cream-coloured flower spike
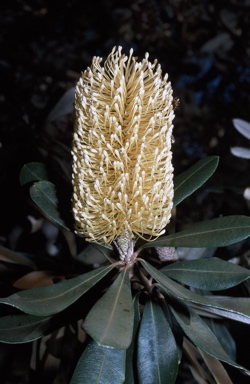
(122, 168)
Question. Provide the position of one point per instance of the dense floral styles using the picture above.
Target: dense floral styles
(122, 159)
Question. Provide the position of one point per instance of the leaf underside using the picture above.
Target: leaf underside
(157, 351)
(100, 365)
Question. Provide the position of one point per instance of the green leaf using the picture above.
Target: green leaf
(9, 256)
(33, 172)
(190, 180)
(95, 254)
(46, 301)
(209, 304)
(219, 232)
(100, 365)
(216, 368)
(220, 329)
(240, 306)
(110, 321)
(16, 329)
(157, 360)
(202, 336)
(211, 274)
(130, 353)
(195, 253)
(43, 193)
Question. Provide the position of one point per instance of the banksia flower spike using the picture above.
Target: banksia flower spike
(122, 159)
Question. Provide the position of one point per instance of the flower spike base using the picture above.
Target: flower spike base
(125, 246)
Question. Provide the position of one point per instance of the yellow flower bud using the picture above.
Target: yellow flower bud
(122, 159)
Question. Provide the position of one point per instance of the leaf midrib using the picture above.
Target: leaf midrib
(56, 296)
(191, 175)
(113, 309)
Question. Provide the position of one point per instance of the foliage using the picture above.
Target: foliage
(142, 319)
(242, 127)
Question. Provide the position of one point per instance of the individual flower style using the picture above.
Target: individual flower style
(122, 159)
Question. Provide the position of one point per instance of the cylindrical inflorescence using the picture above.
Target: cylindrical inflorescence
(122, 159)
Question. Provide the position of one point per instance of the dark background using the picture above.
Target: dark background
(204, 46)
